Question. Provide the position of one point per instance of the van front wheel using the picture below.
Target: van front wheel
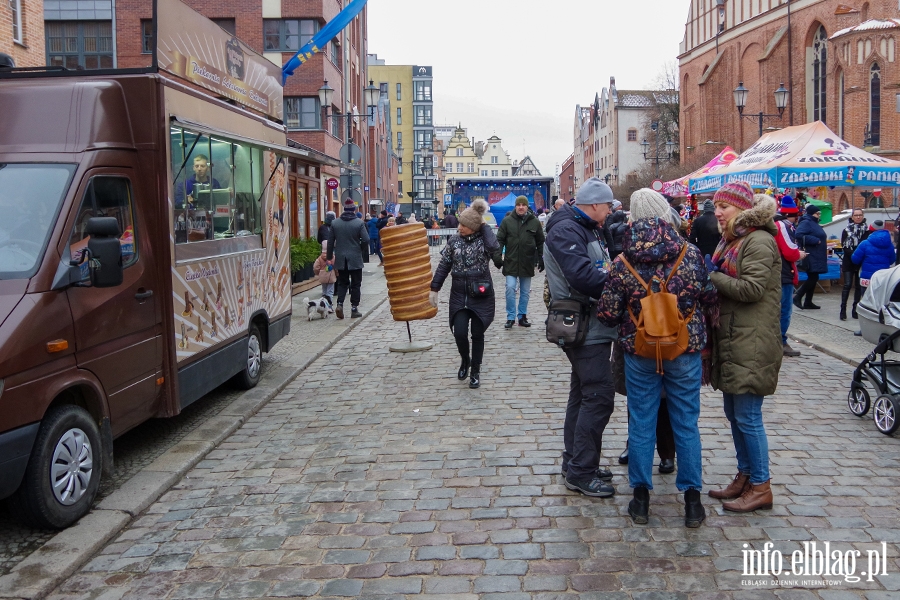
(63, 473)
(249, 377)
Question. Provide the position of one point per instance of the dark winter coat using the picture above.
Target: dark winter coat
(382, 223)
(450, 222)
(324, 233)
(705, 233)
(652, 246)
(813, 239)
(747, 346)
(468, 259)
(876, 252)
(349, 233)
(614, 228)
(521, 242)
(851, 237)
(788, 268)
(577, 265)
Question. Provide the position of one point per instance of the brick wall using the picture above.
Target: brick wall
(708, 112)
(31, 52)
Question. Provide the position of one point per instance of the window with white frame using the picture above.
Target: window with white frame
(470, 168)
(495, 160)
(459, 152)
(484, 173)
(460, 167)
(16, 6)
(494, 173)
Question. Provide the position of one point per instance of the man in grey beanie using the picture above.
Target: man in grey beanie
(577, 266)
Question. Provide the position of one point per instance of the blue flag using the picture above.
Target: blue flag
(318, 41)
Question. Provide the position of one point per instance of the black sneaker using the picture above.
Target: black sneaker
(595, 488)
(354, 313)
(509, 324)
(694, 513)
(604, 474)
(523, 321)
(639, 507)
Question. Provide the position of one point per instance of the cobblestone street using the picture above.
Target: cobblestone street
(377, 474)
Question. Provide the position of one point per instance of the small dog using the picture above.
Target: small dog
(317, 307)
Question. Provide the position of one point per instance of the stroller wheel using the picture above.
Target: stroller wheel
(885, 414)
(858, 401)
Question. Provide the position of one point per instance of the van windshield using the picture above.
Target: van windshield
(30, 197)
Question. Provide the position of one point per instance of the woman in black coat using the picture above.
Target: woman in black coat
(813, 239)
(467, 258)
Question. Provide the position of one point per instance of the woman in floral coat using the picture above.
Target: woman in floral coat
(467, 257)
(652, 247)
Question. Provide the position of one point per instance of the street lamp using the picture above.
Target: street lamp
(372, 96)
(669, 151)
(740, 101)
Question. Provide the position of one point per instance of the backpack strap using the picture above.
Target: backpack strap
(633, 272)
(677, 264)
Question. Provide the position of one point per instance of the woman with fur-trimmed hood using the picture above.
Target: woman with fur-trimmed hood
(747, 348)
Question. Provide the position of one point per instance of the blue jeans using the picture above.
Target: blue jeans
(744, 412)
(787, 305)
(681, 381)
(524, 287)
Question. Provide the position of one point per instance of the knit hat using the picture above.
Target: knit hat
(879, 224)
(736, 193)
(788, 206)
(647, 204)
(616, 205)
(709, 206)
(522, 200)
(812, 209)
(594, 191)
(473, 217)
(349, 205)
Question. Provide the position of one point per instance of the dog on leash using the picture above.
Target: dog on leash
(317, 307)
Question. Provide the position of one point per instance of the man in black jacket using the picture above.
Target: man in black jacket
(614, 228)
(577, 267)
(705, 230)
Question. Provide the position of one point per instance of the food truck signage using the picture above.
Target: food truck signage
(192, 47)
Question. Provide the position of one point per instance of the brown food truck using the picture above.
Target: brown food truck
(143, 262)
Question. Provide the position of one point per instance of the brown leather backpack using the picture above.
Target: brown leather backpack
(662, 332)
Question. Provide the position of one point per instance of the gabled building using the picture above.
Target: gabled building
(459, 155)
(525, 168)
(495, 161)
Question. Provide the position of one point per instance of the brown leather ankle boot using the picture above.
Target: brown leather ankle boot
(734, 490)
(756, 496)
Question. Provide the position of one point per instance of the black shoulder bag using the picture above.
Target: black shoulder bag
(567, 322)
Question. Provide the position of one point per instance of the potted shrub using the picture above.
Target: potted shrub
(296, 260)
(310, 251)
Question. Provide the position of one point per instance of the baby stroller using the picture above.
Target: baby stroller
(879, 321)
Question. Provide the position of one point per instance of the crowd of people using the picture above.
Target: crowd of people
(666, 306)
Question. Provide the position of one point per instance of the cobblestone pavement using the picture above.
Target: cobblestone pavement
(145, 443)
(380, 475)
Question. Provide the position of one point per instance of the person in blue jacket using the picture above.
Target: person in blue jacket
(374, 239)
(813, 240)
(875, 253)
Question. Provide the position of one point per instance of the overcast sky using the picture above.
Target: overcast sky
(517, 68)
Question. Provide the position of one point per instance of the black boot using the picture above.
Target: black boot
(853, 314)
(474, 377)
(623, 458)
(694, 513)
(845, 293)
(463, 369)
(639, 507)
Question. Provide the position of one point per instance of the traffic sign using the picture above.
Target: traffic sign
(657, 185)
(353, 195)
(350, 180)
(332, 183)
(350, 154)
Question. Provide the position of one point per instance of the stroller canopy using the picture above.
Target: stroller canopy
(883, 296)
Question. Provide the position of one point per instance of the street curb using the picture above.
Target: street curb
(67, 551)
(824, 350)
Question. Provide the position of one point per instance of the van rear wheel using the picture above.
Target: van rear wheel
(63, 473)
(249, 377)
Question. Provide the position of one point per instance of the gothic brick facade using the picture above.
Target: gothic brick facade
(828, 58)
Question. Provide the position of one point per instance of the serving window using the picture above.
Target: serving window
(217, 188)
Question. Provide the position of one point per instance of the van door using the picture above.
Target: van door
(118, 331)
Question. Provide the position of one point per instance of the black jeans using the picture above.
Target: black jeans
(461, 322)
(807, 288)
(349, 278)
(851, 281)
(591, 398)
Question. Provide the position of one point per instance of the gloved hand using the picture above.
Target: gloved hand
(540, 265)
(710, 265)
(498, 263)
(433, 299)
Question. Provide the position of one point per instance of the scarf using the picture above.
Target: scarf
(855, 233)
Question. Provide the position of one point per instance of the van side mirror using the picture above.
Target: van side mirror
(105, 251)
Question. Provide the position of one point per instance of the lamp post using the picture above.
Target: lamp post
(670, 147)
(740, 100)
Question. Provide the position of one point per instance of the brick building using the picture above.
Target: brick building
(22, 31)
(566, 187)
(838, 60)
(276, 29)
(383, 164)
